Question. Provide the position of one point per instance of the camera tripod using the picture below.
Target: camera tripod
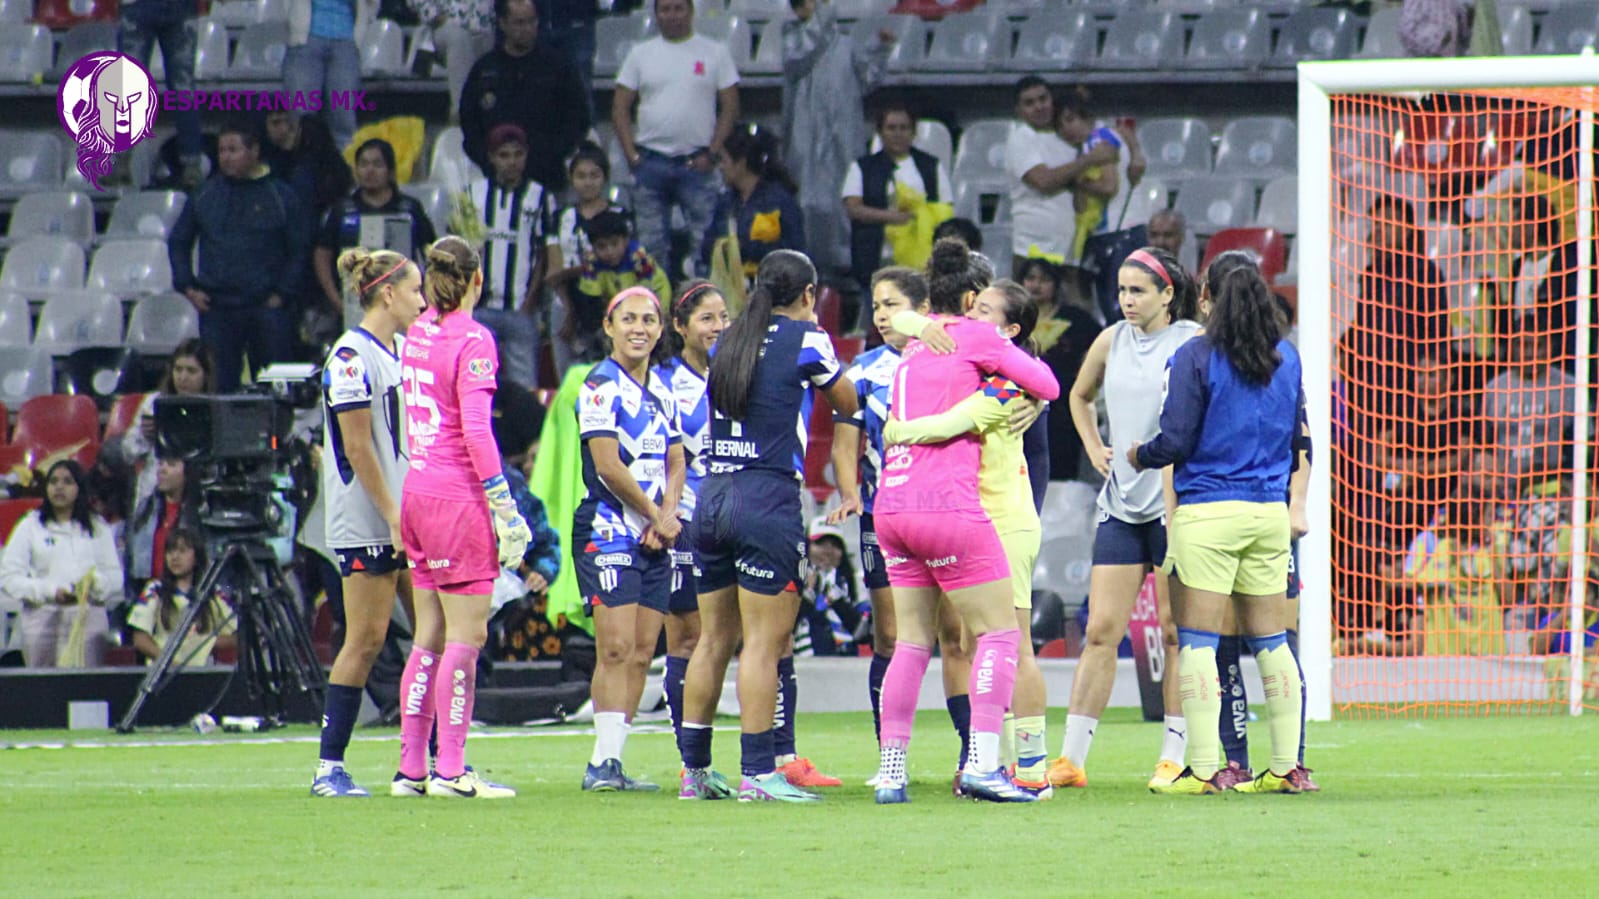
(276, 657)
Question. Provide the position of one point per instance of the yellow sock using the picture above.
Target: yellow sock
(1201, 693)
(1030, 751)
(1007, 740)
(1280, 678)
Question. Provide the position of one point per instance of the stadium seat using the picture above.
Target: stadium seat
(981, 153)
(30, 160)
(847, 348)
(25, 374)
(1055, 40)
(383, 50)
(1176, 148)
(932, 137)
(766, 57)
(55, 422)
(437, 201)
(101, 373)
(159, 323)
(1320, 33)
(76, 319)
(970, 202)
(448, 163)
(613, 37)
(759, 10)
(12, 458)
(996, 246)
(829, 311)
(740, 40)
(1229, 39)
(850, 10)
(146, 214)
(1279, 205)
(15, 12)
(16, 321)
(974, 42)
(717, 27)
(1145, 199)
(26, 52)
(124, 415)
(13, 511)
(210, 51)
(1142, 40)
(130, 268)
(1211, 204)
(1258, 148)
(1515, 30)
(40, 266)
(1382, 36)
(1268, 247)
(1568, 29)
(258, 56)
(236, 13)
(81, 40)
(909, 49)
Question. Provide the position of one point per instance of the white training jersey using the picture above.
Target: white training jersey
(361, 373)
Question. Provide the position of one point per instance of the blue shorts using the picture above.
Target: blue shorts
(1293, 569)
(378, 559)
(749, 530)
(875, 571)
(623, 577)
(685, 580)
(1117, 542)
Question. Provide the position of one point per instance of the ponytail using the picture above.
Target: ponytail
(1244, 322)
(780, 281)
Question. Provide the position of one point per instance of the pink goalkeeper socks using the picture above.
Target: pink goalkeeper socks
(993, 679)
(902, 683)
(416, 711)
(458, 667)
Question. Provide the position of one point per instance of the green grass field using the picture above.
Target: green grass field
(1491, 807)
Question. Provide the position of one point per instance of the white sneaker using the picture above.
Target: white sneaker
(407, 788)
(468, 786)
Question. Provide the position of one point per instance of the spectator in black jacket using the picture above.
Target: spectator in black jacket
(254, 240)
(525, 83)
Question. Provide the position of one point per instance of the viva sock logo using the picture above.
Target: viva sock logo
(985, 672)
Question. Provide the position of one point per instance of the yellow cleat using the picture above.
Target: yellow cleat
(1269, 782)
(1166, 774)
(1186, 784)
(1062, 773)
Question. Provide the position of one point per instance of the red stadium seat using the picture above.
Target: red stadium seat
(1054, 649)
(934, 9)
(124, 414)
(120, 657)
(5, 424)
(848, 348)
(322, 633)
(830, 311)
(1267, 245)
(55, 422)
(11, 512)
(12, 456)
(819, 451)
(59, 14)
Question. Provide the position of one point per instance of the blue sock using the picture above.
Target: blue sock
(787, 696)
(874, 686)
(758, 755)
(1234, 701)
(338, 720)
(1293, 647)
(676, 669)
(960, 715)
(694, 745)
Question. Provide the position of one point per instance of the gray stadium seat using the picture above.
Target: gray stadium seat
(613, 37)
(760, 10)
(147, 213)
(981, 154)
(15, 12)
(40, 266)
(448, 163)
(210, 51)
(159, 323)
(383, 50)
(1230, 39)
(969, 202)
(1055, 40)
(1382, 36)
(767, 56)
(1176, 148)
(78, 319)
(974, 42)
(26, 52)
(1279, 205)
(932, 137)
(1315, 34)
(1515, 30)
(236, 13)
(1146, 198)
(1258, 148)
(1211, 204)
(53, 213)
(259, 54)
(861, 9)
(437, 201)
(24, 375)
(996, 246)
(30, 160)
(81, 40)
(16, 321)
(1142, 40)
(908, 51)
(130, 268)
(1569, 29)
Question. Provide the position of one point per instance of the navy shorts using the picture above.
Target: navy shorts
(1293, 569)
(623, 577)
(685, 578)
(876, 571)
(749, 530)
(1117, 542)
(377, 559)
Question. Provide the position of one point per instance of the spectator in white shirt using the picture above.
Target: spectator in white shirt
(1044, 169)
(686, 87)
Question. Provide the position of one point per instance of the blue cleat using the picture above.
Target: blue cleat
(337, 783)
(704, 784)
(606, 777)
(773, 787)
(996, 786)
(890, 793)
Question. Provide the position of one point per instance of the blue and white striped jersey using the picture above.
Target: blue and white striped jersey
(873, 374)
(643, 419)
(689, 388)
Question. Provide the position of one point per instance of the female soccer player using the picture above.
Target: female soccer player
(749, 532)
(935, 536)
(1128, 360)
(1228, 425)
(999, 414)
(448, 366)
(624, 530)
(699, 316)
(362, 473)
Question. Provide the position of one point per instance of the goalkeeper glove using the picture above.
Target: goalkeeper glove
(509, 527)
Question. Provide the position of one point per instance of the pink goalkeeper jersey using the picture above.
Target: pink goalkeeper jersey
(942, 477)
(445, 362)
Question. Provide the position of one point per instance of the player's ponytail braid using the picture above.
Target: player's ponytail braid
(780, 281)
(451, 263)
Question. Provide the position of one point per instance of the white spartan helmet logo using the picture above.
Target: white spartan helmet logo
(123, 97)
(108, 105)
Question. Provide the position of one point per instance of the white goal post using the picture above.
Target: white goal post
(1318, 83)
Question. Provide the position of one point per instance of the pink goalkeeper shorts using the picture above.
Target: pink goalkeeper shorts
(948, 550)
(450, 544)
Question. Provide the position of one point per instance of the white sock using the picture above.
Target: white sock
(610, 733)
(782, 760)
(985, 757)
(1079, 737)
(325, 767)
(1174, 747)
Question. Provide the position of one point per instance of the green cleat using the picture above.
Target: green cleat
(1269, 782)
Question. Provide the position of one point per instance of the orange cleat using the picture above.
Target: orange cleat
(801, 773)
(1062, 773)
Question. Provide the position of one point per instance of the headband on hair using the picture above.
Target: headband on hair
(379, 279)
(634, 291)
(690, 294)
(1148, 260)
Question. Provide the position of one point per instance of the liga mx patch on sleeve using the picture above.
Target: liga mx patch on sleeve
(1002, 389)
(482, 369)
